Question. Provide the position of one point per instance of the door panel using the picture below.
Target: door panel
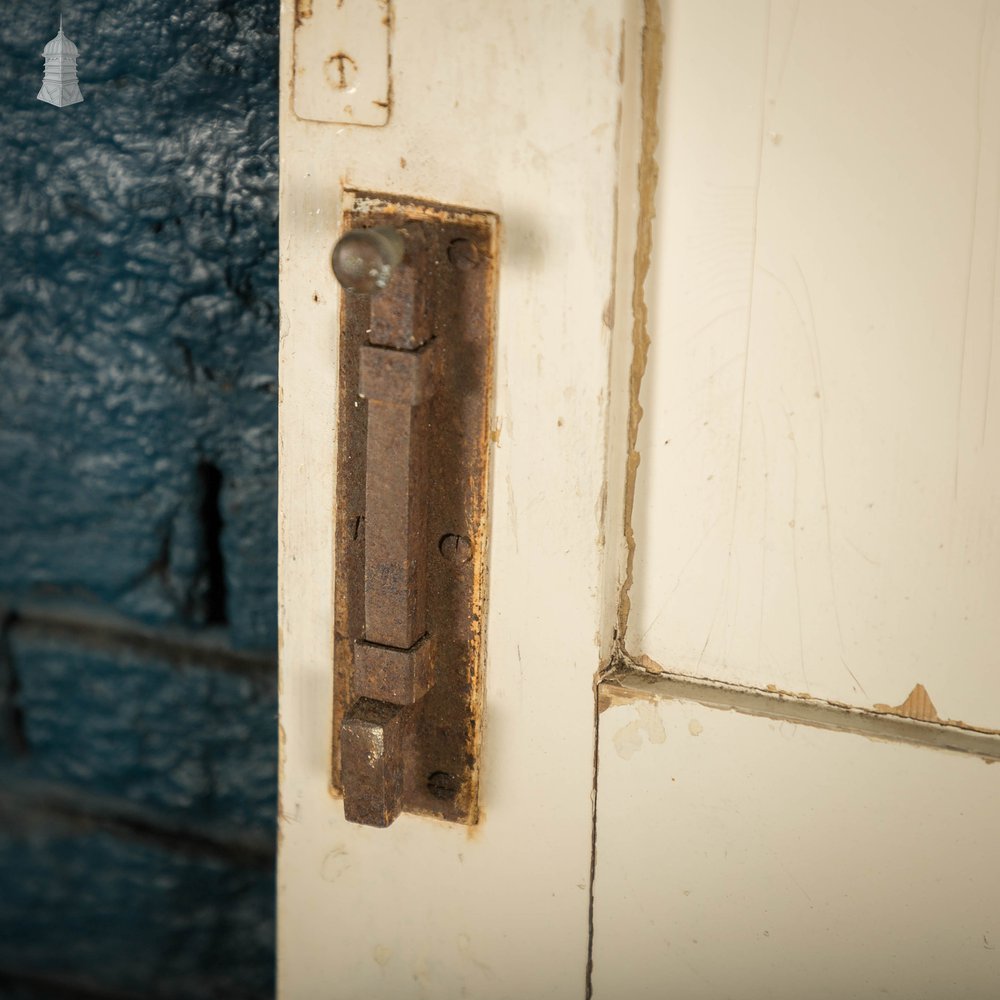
(820, 477)
(750, 857)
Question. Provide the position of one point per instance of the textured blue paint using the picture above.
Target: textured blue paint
(192, 744)
(133, 917)
(138, 442)
(138, 309)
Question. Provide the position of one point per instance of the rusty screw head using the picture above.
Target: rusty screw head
(363, 259)
(463, 254)
(455, 548)
(443, 785)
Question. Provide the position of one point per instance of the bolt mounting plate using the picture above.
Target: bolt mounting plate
(458, 254)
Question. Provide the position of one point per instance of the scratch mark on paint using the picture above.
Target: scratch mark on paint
(795, 546)
(784, 54)
(681, 572)
(465, 949)
(513, 511)
(807, 320)
(991, 328)
(763, 539)
(746, 344)
(335, 864)
(750, 297)
(794, 880)
(867, 558)
(972, 243)
(992, 334)
(812, 339)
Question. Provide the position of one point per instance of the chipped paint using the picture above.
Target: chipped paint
(627, 681)
(629, 739)
(918, 705)
(652, 73)
(303, 11)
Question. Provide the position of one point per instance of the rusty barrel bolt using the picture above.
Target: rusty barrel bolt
(463, 254)
(455, 548)
(363, 259)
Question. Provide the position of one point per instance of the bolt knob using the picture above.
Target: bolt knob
(363, 259)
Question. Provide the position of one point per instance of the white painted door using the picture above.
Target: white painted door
(743, 498)
(816, 563)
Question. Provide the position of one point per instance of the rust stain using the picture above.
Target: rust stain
(303, 11)
(652, 73)
(342, 60)
(918, 705)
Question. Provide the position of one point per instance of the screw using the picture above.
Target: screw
(455, 548)
(464, 254)
(442, 785)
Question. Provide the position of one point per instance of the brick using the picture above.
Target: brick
(86, 906)
(194, 744)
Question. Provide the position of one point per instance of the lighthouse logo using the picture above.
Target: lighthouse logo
(60, 85)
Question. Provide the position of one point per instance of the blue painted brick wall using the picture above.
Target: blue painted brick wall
(135, 918)
(138, 440)
(139, 310)
(180, 738)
